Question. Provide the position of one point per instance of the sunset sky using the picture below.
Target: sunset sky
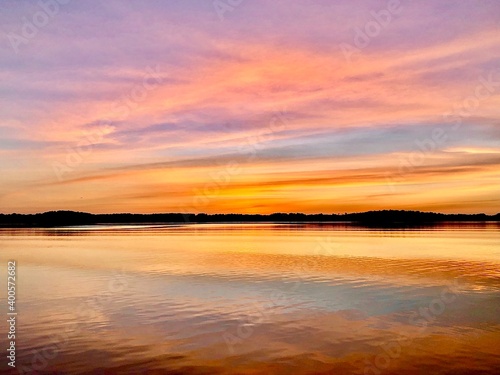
(250, 106)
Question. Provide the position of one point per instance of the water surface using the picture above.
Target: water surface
(256, 299)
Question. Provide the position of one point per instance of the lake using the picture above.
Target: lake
(255, 299)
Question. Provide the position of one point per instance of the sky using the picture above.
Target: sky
(249, 106)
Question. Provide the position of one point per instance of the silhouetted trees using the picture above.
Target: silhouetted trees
(385, 218)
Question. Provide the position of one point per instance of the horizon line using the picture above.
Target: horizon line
(251, 214)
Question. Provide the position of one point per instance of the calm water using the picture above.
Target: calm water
(255, 299)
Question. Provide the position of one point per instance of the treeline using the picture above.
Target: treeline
(372, 218)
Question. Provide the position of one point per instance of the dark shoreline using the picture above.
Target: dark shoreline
(385, 218)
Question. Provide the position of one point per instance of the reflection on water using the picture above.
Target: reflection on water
(257, 299)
